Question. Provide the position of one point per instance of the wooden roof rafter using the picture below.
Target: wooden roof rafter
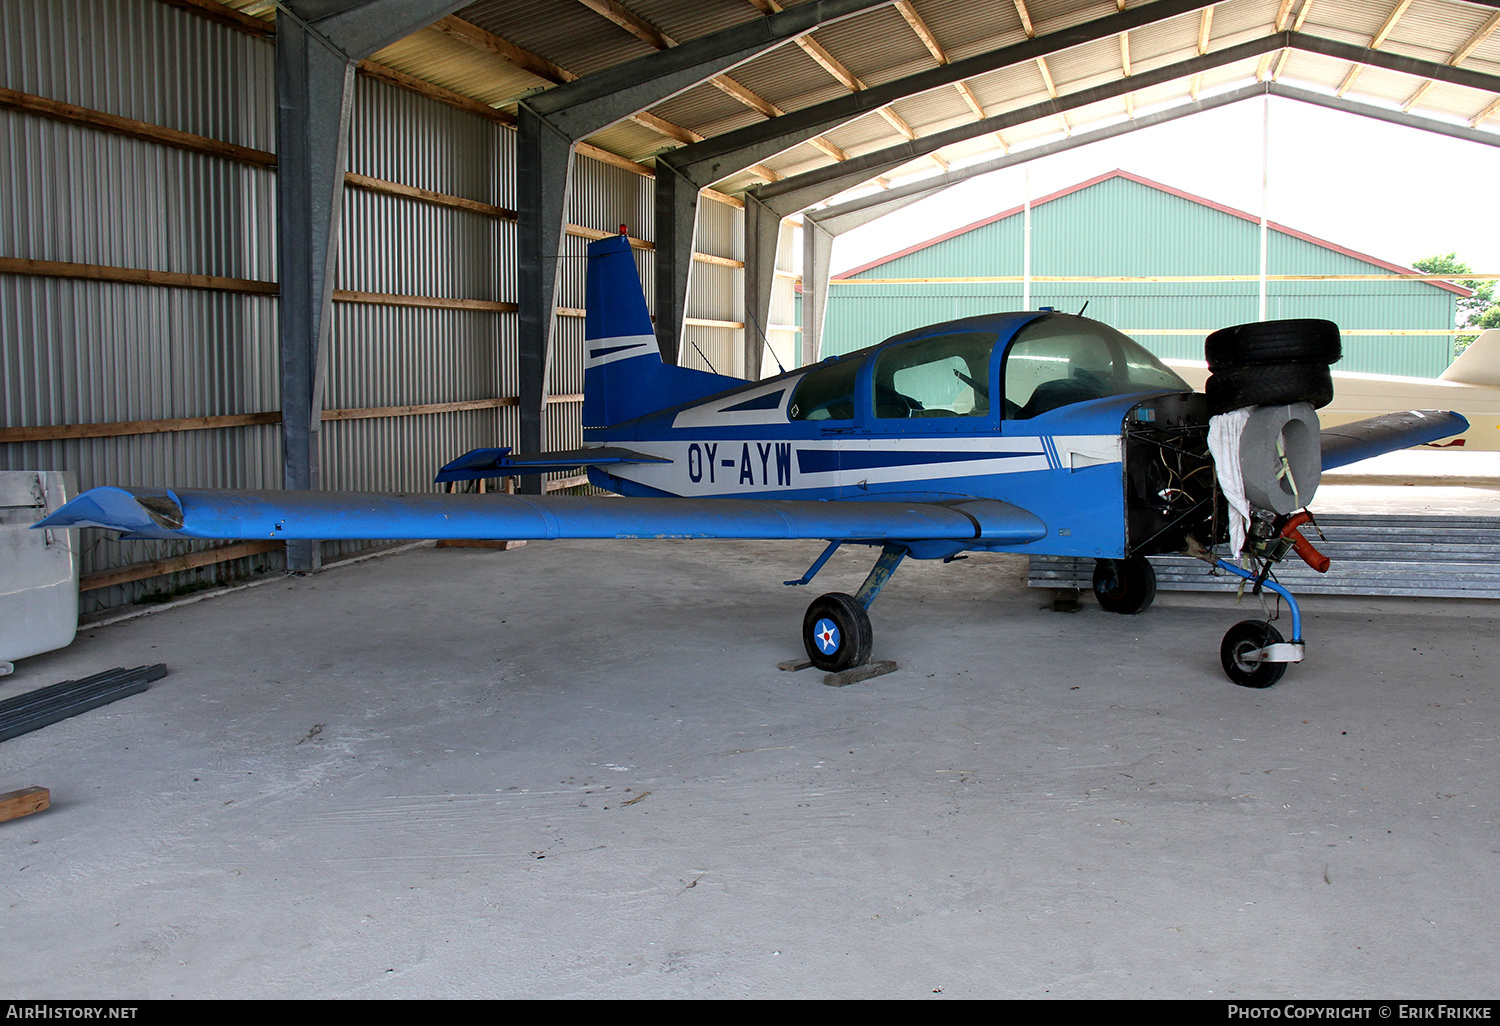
(1458, 56)
(648, 33)
(1376, 42)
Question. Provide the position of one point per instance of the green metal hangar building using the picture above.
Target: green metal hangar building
(331, 244)
(1109, 233)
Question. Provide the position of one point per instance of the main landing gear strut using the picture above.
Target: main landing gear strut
(836, 629)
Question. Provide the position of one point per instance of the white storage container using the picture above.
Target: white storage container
(38, 569)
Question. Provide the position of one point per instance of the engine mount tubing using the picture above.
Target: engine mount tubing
(1291, 602)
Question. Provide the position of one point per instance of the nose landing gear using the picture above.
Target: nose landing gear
(1253, 653)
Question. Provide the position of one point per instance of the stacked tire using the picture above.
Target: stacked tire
(1271, 363)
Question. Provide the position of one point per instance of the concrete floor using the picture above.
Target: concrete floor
(573, 770)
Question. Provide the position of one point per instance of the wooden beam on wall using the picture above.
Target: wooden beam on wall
(42, 106)
(117, 429)
(134, 276)
(175, 564)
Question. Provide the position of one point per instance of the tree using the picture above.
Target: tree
(1476, 311)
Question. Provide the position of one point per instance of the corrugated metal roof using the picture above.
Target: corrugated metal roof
(583, 37)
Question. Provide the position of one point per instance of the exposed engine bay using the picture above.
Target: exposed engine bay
(1172, 500)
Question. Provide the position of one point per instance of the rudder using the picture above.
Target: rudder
(623, 373)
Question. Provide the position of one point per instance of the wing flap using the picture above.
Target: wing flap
(157, 513)
(1350, 443)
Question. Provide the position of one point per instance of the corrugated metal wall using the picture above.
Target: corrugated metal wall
(91, 352)
(86, 352)
(1120, 227)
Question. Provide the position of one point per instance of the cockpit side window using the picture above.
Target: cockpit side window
(826, 392)
(940, 376)
(1056, 361)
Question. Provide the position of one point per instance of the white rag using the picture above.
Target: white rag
(1224, 433)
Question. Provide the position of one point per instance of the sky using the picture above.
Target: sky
(1392, 192)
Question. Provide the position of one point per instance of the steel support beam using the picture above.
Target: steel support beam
(549, 125)
(817, 259)
(784, 198)
(544, 179)
(1394, 117)
(856, 212)
(1414, 66)
(762, 237)
(821, 227)
(790, 195)
(712, 159)
(318, 44)
(700, 164)
(597, 101)
(801, 191)
(676, 224)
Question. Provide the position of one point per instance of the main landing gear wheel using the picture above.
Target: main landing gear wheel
(836, 632)
(1124, 585)
(1246, 637)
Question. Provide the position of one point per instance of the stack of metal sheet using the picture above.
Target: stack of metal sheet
(1428, 556)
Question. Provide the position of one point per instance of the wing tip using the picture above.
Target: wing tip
(133, 511)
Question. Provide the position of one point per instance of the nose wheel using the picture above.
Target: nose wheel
(1242, 654)
(1253, 653)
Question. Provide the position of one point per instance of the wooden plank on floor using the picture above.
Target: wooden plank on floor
(15, 804)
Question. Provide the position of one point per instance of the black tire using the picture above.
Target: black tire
(1272, 384)
(836, 632)
(1305, 340)
(1247, 636)
(1126, 586)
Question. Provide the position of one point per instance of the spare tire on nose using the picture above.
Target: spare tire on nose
(1298, 340)
(1271, 384)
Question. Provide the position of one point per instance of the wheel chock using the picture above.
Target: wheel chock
(855, 674)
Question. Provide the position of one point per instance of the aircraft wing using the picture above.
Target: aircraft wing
(162, 513)
(1350, 443)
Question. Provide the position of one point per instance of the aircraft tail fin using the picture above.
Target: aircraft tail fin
(1480, 363)
(624, 376)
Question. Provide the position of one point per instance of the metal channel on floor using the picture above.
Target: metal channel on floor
(1415, 555)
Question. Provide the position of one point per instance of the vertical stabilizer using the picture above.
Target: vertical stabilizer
(623, 373)
(1480, 363)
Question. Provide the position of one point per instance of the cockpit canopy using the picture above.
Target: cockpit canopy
(1051, 361)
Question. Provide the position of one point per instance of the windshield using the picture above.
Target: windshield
(1058, 360)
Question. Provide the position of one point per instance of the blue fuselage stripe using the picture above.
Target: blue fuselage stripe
(822, 461)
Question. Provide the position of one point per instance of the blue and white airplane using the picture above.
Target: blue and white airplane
(1030, 432)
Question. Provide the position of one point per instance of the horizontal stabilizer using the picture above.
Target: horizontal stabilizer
(1350, 443)
(157, 513)
(483, 463)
